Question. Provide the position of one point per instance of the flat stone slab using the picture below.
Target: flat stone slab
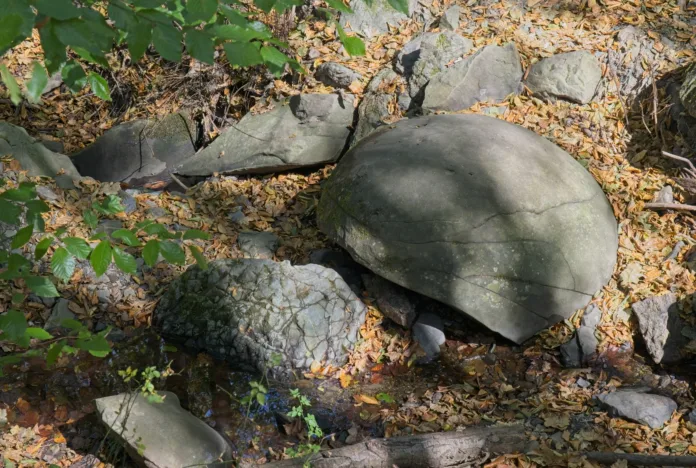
(307, 130)
(643, 408)
(478, 213)
(248, 310)
(573, 76)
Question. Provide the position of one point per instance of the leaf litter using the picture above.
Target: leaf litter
(477, 380)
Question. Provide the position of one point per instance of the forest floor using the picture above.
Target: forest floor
(479, 378)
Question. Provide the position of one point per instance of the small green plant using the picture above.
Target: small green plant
(314, 433)
(146, 384)
(259, 388)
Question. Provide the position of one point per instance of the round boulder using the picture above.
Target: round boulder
(478, 213)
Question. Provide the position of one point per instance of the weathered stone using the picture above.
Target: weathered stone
(65, 182)
(427, 55)
(665, 195)
(428, 331)
(571, 354)
(591, 317)
(491, 74)
(61, 311)
(587, 341)
(477, 213)
(687, 92)
(450, 18)
(140, 151)
(309, 129)
(45, 193)
(643, 408)
(573, 76)
(258, 244)
(336, 75)
(374, 17)
(633, 48)
(166, 434)
(660, 326)
(128, 201)
(374, 106)
(246, 310)
(392, 300)
(34, 157)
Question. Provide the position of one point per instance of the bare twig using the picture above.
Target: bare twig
(691, 170)
(178, 181)
(670, 206)
(675, 251)
(641, 459)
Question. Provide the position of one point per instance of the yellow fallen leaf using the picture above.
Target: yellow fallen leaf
(368, 399)
(345, 380)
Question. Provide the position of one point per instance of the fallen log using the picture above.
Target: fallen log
(638, 459)
(471, 447)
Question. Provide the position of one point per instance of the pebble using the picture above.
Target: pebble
(61, 311)
(428, 332)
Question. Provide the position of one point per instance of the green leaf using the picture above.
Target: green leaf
(41, 286)
(58, 9)
(151, 252)
(18, 298)
(265, 5)
(74, 76)
(18, 263)
(9, 212)
(78, 247)
(99, 236)
(198, 255)
(110, 205)
(196, 234)
(96, 345)
(232, 32)
(199, 10)
(24, 193)
(16, 23)
(243, 54)
(73, 324)
(400, 6)
(143, 223)
(167, 41)
(90, 33)
(90, 218)
(353, 45)
(54, 352)
(62, 264)
(159, 230)
(11, 83)
(200, 46)
(385, 398)
(274, 59)
(124, 261)
(172, 252)
(22, 237)
(37, 206)
(38, 81)
(99, 86)
(42, 247)
(13, 325)
(101, 257)
(54, 50)
(127, 237)
(139, 37)
(148, 3)
(339, 5)
(234, 16)
(282, 5)
(38, 333)
(261, 398)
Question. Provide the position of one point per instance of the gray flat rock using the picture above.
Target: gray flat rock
(336, 75)
(374, 17)
(492, 74)
(140, 151)
(307, 130)
(34, 157)
(573, 76)
(450, 18)
(477, 213)
(643, 408)
(660, 326)
(258, 244)
(171, 436)
(246, 310)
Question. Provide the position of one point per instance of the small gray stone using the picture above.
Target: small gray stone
(491, 74)
(374, 17)
(582, 383)
(171, 436)
(587, 342)
(65, 182)
(258, 244)
(46, 193)
(665, 195)
(108, 226)
(128, 202)
(573, 76)
(156, 212)
(392, 300)
(238, 217)
(313, 54)
(571, 355)
(660, 326)
(450, 18)
(61, 311)
(692, 416)
(336, 75)
(54, 81)
(643, 408)
(591, 317)
(428, 331)
(404, 102)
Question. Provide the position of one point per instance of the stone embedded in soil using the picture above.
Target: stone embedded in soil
(336, 75)
(475, 212)
(258, 244)
(306, 130)
(573, 76)
(644, 408)
(248, 310)
(450, 18)
(171, 436)
(491, 74)
(375, 104)
(571, 354)
(661, 327)
(374, 17)
(591, 317)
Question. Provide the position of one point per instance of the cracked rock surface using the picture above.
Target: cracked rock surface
(245, 310)
(307, 130)
(475, 212)
(573, 76)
